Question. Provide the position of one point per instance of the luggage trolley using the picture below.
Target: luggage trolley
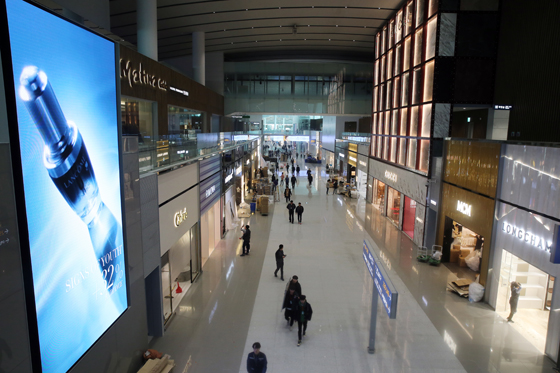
(424, 254)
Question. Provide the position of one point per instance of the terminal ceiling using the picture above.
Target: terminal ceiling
(263, 29)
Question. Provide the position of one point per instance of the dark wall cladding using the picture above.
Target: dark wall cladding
(527, 75)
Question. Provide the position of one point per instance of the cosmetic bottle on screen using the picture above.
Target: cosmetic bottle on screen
(68, 164)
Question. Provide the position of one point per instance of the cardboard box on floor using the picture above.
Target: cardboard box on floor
(264, 205)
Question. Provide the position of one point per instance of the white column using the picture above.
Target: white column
(198, 57)
(146, 18)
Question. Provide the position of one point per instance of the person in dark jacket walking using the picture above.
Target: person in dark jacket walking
(310, 178)
(280, 262)
(294, 283)
(290, 299)
(299, 212)
(302, 314)
(291, 208)
(298, 169)
(293, 180)
(246, 241)
(256, 361)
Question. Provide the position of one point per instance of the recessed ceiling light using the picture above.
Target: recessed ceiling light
(232, 42)
(280, 39)
(214, 12)
(252, 27)
(246, 9)
(280, 25)
(353, 40)
(329, 39)
(336, 25)
(304, 39)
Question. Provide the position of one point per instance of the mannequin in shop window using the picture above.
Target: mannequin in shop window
(514, 298)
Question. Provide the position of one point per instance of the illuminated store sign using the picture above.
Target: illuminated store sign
(210, 191)
(341, 155)
(352, 158)
(184, 93)
(391, 176)
(228, 178)
(527, 237)
(464, 208)
(502, 107)
(362, 163)
(238, 170)
(140, 76)
(180, 217)
(64, 92)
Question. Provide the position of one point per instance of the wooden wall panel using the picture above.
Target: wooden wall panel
(161, 78)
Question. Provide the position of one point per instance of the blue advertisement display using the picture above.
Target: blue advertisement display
(66, 94)
(384, 288)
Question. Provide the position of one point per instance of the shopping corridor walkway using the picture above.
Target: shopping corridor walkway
(237, 301)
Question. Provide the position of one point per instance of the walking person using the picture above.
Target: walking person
(287, 193)
(294, 283)
(293, 170)
(335, 185)
(246, 241)
(298, 169)
(282, 179)
(310, 178)
(299, 212)
(290, 298)
(329, 185)
(302, 314)
(514, 298)
(280, 262)
(294, 180)
(291, 207)
(256, 361)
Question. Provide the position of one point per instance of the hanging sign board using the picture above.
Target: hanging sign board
(387, 291)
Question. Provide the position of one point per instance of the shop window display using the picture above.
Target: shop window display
(378, 197)
(393, 205)
(464, 251)
(138, 119)
(409, 216)
(184, 123)
(533, 306)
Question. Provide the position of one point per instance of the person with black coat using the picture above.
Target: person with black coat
(310, 178)
(298, 169)
(294, 283)
(302, 314)
(299, 212)
(256, 361)
(291, 297)
(246, 241)
(280, 262)
(291, 208)
(287, 193)
(293, 180)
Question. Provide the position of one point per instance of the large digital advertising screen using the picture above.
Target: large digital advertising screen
(65, 89)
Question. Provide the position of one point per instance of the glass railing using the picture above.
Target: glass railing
(167, 154)
(356, 136)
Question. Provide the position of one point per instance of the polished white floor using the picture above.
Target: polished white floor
(237, 301)
(326, 253)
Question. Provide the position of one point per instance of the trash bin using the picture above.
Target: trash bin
(253, 206)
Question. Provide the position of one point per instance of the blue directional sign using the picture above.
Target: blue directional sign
(385, 288)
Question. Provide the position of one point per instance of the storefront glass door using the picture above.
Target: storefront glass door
(409, 216)
(531, 319)
(195, 253)
(378, 198)
(394, 205)
(166, 289)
